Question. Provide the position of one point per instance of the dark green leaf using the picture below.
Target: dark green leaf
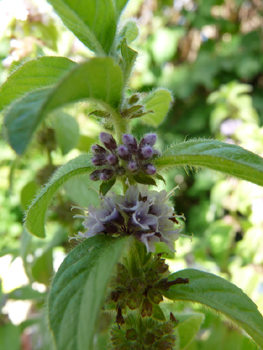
(78, 291)
(36, 215)
(28, 192)
(106, 186)
(144, 179)
(230, 159)
(160, 177)
(23, 118)
(42, 269)
(221, 296)
(93, 22)
(67, 131)
(33, 75)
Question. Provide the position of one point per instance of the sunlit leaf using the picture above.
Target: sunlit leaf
(221, 296)
(93, 22)
(158, 101)
(230, 159)
(78, 291)
(67, 131)
(36, 215)
(36, 74)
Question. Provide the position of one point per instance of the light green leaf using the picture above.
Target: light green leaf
(221, 296)
(78, 291)
(99, 79)
(188, 326)
(28, 192)
(42, 269)
(128, 58)
(23, 117)
(129, 31)
(67, 131)
(25, 293)
(119, 6)
(230, 159)
(93, 22)
(159, 102)
(36, 214)
(33, 75)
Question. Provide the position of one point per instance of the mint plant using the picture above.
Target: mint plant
(115, 269)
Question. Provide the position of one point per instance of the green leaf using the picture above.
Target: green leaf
(187, 327)
(33, 75)
(221, 296)
(119, 6)
(144, 179)
(23, 117)
(93, 22)
(25, 293)
(67, 131)
(28, 192)
(9, 337)
(106, 186)
(42, 269)
(128, 58)
(78, 291)
(99, 79)
(230, 159)
(36, 214)
(129, 31)
(159, 102)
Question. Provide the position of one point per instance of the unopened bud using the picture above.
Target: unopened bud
(123, 152)
(97, 149)
(134, 300)
(106, 174)
(99, 159)
(112, 159)
(95, 175)
(146, 152)
(134, 98)
(150, 169)
(129, 140)
(148, 139)
(108, 141)
(132, 166)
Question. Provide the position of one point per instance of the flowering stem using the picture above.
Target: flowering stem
(120, 124)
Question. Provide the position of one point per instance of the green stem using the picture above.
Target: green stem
(120, 124)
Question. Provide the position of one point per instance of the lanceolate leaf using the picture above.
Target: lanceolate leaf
(230, 159)
(78, 291)
(33, 75)
(221, 296)
(128, 58)
(36, 214)
(93, 22)
(99, 79)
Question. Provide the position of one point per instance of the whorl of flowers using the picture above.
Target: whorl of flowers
(128, 157)
(142, 213)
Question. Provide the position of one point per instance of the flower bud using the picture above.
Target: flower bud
(112, 159)
(146, 152)
(129, 140)
(108, 141)
(123, 152)
(95, 175)
(106, 174)
(148, 139)
(150, 169)
(134, 98)
(97, 149)
(99, 159)
(132, 166)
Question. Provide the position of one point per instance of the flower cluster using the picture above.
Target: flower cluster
(142, 213)
(145, 334)
(129, 157)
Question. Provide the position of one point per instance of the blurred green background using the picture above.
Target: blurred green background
(209, 54)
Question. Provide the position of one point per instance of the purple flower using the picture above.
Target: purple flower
(150, 169)
(132, 166)
(95, 175)
(123, 152)
(99, 159)
(97, 149)
(112, 159)
(106, 174)
(142, 218)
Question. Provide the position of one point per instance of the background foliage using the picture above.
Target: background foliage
(209, 54)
